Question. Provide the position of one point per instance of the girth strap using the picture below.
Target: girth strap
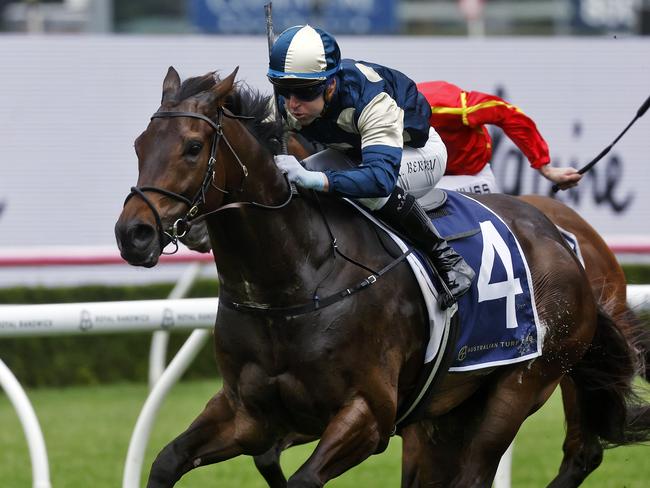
(317, 303)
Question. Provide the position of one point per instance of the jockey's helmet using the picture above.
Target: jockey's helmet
(303, 58)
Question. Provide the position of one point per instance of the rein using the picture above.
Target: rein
(180, 226)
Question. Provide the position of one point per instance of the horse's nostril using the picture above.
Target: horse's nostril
(141, 235)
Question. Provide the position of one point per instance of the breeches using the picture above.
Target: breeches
(481, 182)
(420, 170)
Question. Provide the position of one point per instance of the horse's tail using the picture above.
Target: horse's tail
(641, 339)
(604, 378)
(638, 335)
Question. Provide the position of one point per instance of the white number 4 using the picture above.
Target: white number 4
(492, 241)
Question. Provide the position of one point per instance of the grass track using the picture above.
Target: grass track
(87, 431)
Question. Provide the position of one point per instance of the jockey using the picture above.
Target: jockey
(460, 117)
(376, 113)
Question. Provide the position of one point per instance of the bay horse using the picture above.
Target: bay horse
(583, 451)
(341, 372)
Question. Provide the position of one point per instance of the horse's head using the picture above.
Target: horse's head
(178, 164)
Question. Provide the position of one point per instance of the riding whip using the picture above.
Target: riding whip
(271, 39)
(639, 113)
(269, 25)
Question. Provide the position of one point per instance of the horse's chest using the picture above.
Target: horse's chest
(296, 370)
(303, 402)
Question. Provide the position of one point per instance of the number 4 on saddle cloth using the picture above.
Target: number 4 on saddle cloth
(498, 319)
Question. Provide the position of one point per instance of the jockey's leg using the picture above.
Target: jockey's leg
(403, 212)
(420, 169)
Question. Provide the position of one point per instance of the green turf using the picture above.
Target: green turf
(87, 430)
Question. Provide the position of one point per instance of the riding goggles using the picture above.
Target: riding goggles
(303, 93)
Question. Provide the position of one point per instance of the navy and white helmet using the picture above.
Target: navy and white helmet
(303, 55)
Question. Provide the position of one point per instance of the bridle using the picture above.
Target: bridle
(180, 227)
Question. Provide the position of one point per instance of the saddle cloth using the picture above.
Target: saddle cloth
(498, 318)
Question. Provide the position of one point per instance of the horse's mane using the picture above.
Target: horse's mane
(242, 100)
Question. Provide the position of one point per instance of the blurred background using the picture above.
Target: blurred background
(80, 79)
(410, 17)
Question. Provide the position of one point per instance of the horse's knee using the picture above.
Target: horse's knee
(269, 459)
(578, 463)
(594, 458)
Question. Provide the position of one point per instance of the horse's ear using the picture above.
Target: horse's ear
(171, 85)
(224, 86)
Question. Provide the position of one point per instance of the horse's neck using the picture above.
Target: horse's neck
(264, 254)
(270, 255)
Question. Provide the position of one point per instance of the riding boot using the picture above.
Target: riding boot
(404, 213)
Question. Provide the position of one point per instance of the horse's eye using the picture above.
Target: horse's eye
(193, 148)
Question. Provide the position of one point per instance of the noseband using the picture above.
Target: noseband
(180, 226)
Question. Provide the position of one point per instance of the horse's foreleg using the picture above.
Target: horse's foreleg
(425, 463)
(268, 464)
(220, 432)
(351, 436)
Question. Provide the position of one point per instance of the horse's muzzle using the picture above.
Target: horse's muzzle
(138, 242)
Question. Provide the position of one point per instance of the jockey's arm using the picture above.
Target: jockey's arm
(483, 108)
(380, 125)
(522, 130)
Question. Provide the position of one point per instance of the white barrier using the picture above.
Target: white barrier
(31, 427)
(132, 316)
(106, 317)
(142, 429)
(98, 318)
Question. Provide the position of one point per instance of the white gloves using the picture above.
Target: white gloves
(314, 180)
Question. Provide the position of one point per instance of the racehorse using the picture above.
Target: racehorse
(583, 451)
(342, 371)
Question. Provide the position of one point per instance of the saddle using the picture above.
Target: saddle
(336, 160)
